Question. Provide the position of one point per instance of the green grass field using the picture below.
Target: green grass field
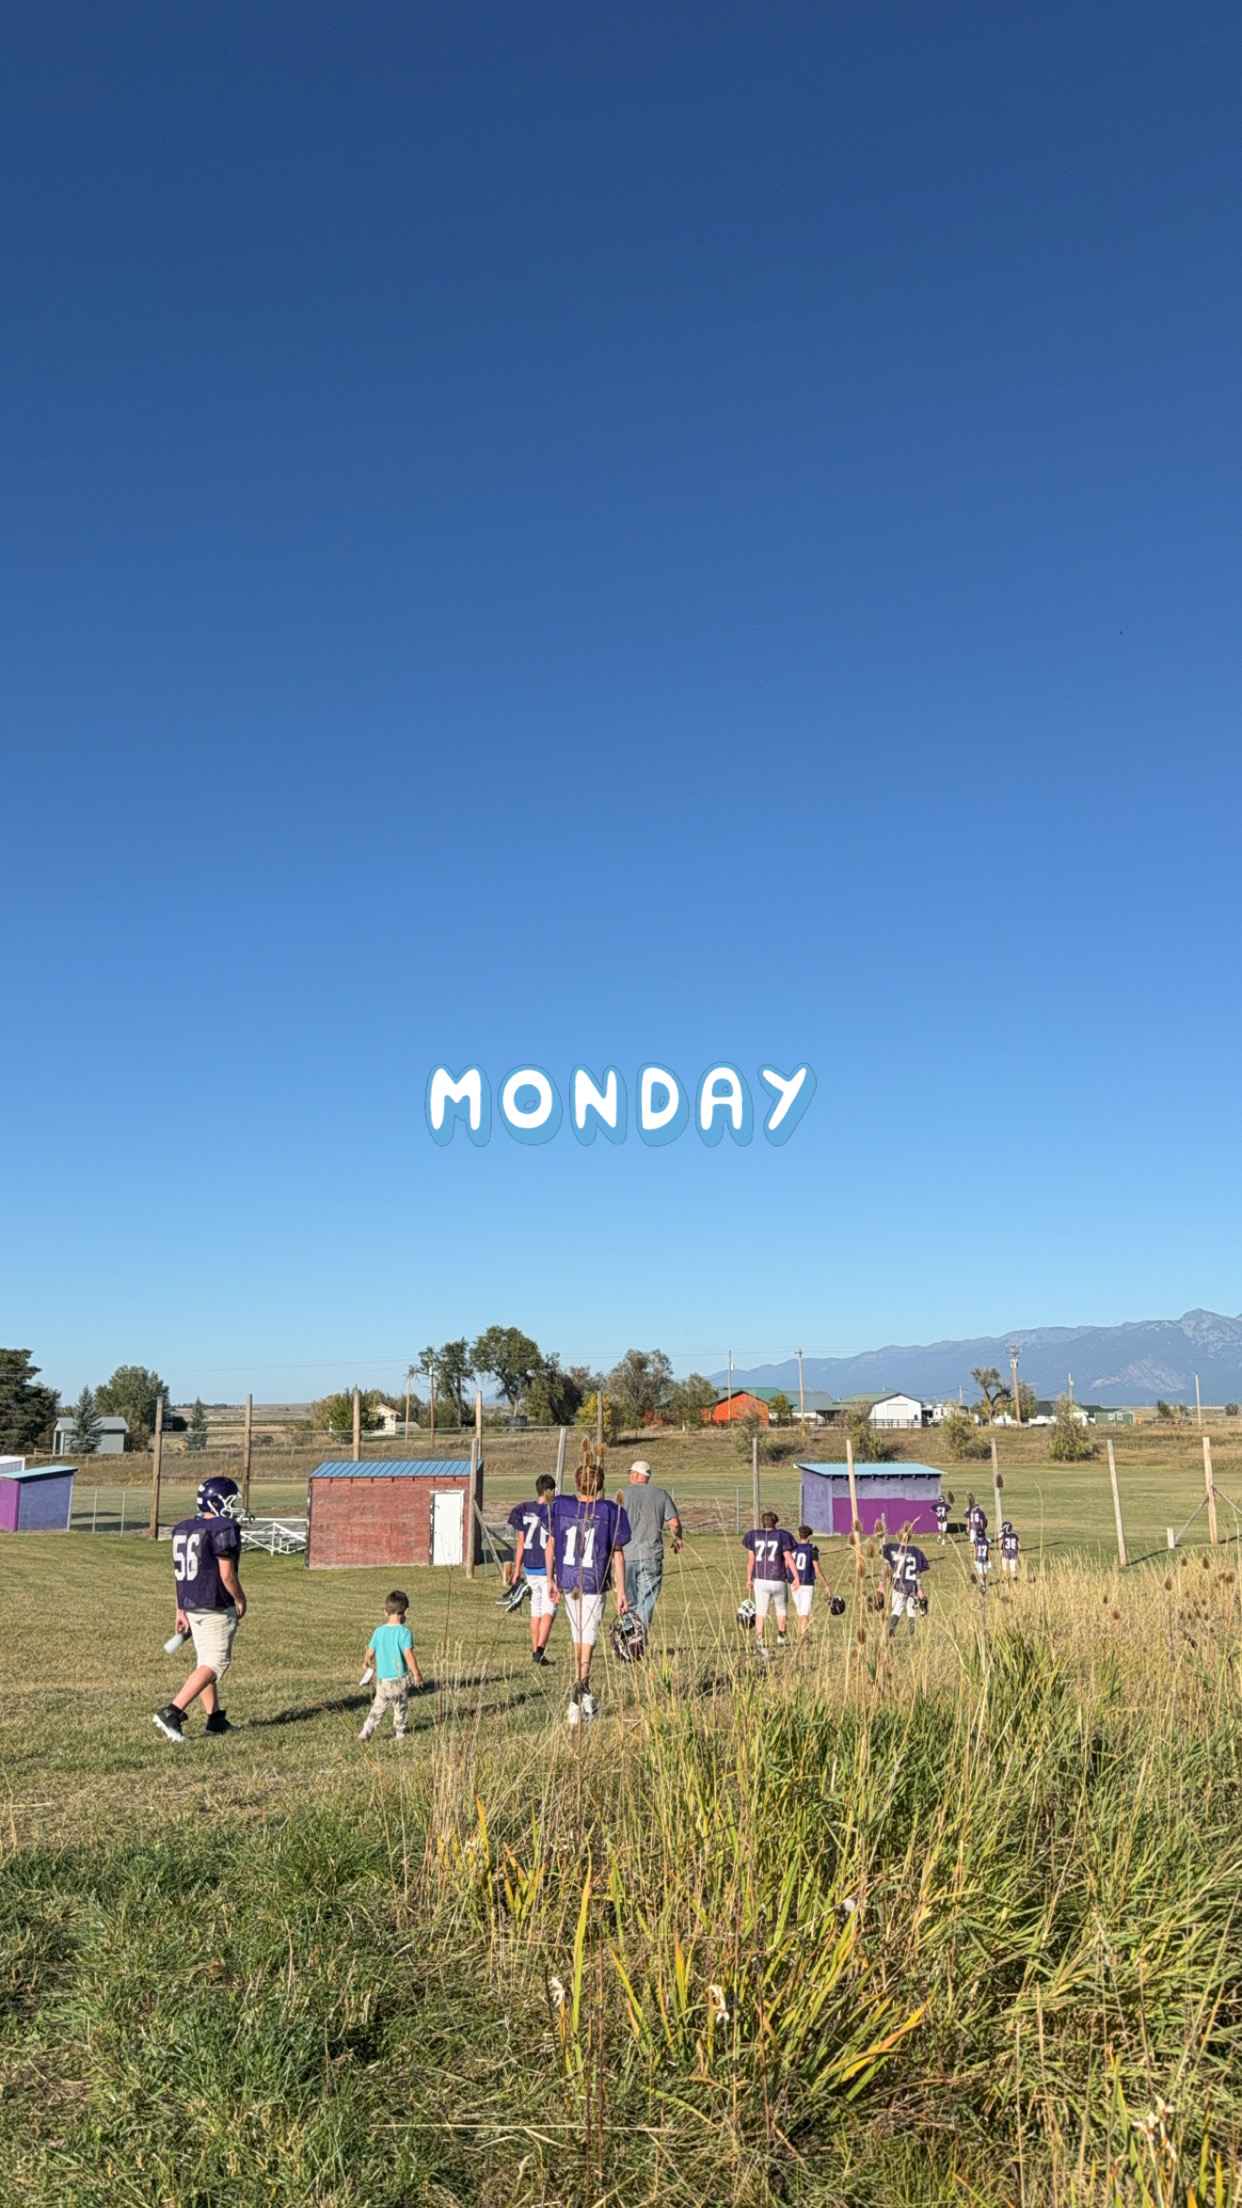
(951, 1921)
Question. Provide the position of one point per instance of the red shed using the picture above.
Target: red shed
(741, 1404)
(403, 1510)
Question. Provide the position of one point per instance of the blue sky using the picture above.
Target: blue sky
(599, 535)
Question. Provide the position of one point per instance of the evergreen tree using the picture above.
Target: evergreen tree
(27, 1410)
(196, 1432)
(84, 1436)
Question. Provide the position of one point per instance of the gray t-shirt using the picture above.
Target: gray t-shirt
(649, 1510)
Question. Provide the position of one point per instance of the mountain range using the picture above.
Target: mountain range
(1132, 1364)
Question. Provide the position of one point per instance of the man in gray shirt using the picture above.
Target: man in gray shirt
(649, 1509)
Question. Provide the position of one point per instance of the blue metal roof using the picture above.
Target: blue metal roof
(390, 1468)
(897, 1470)
(41, 1472)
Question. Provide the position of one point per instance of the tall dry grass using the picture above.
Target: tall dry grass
(949, 1920)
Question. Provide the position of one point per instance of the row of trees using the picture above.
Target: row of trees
(29, 1410)
(639, 1391)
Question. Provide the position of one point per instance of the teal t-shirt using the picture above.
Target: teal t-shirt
(387, 1643)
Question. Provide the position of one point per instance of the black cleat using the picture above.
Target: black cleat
(218, 1722)
(170, 1721)
(538, 1657)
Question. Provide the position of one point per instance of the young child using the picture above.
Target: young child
(767, 1575)
(906, 1566)
(983, 1558)
(942, 1522)
(530, 1523)
(806, 1570)
(586, 1534)
(1009, 1548)
(390, 1651)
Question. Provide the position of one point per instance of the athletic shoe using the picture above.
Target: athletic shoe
(365, 1734)
(539, 1656)
(218, 1722)
(763, 1652)
(588, 1705)
(573, 1714)
(170, 1721)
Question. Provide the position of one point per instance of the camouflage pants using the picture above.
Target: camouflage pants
(390, 1694)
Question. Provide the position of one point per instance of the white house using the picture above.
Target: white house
(112, 1435)
(390, 1421)
(897, 1410)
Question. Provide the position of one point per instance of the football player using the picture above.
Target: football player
(906, 1565)
(210, 1601)
(976, 1519)
(806, 1570)
(1009, 1548)
(982, 1549)
(586, 1534)
(942, 1521)
(530, 1523)
(767, 1575)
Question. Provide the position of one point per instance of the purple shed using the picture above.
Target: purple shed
(38, 1501)
(900, 1494)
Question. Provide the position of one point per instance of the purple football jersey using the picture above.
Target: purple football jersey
(585, 1535)
(805, 1559)
(769, 1551)
(907, 1565)
(197, 1546)
(531, 1519)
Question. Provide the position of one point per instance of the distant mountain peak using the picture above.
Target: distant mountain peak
(1132, 1363)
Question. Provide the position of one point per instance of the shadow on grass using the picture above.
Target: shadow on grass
(424, 1703)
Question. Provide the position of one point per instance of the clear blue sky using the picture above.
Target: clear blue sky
(602, 534)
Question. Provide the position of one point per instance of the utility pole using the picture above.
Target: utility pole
(409, 1378)
(560, 1462)
(997, 1484)
(357, 1424)
(599, 1416)
(1017, 1400)
(431, 1384)
(730, 1410)
(1071, 1387)
(801, 1394)
(157, 1458)
(1198, 1404)
(246, 1441)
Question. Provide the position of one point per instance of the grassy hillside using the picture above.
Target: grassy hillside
(954, 1920)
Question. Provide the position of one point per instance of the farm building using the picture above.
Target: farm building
(902, 1411)
(113, 1434)
(402, 1510)
(35, 1501)
(743, 1403)
(900, 1494)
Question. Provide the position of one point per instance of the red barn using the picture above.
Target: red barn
(741, 1404)
(397, 1511)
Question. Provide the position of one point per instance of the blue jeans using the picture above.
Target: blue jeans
(642, 1586)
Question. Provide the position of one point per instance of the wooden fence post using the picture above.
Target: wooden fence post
(246, 1453)
(431, 1383)
(855, 1522)
(1122, 1558)
(599, 1418)
(754, 1480)
(560, 1462)
(1213, 1533)
(157, 1459)
(997, 1484)
(357, 1424)
(468, 1529)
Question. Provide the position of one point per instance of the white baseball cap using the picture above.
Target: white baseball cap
(641, 1466)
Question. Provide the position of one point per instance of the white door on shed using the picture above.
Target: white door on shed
(447, 1518)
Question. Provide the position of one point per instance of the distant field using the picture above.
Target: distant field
(1063, 1508)
(946, 1922)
